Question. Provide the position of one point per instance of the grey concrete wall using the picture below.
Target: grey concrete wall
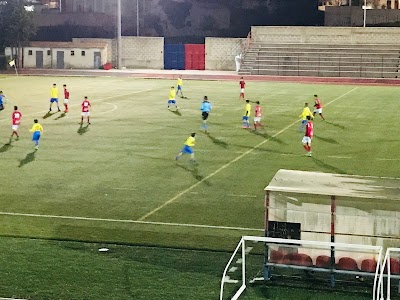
(354, 16)
(221, 52)
(143, 52)
(326, 35)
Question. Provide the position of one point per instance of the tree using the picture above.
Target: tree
(18, 26)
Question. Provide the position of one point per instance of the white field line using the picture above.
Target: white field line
(242, 196)
(93, 101)
(334, 156)
(11, 298)
(3, 213)
(231, 162)
(232, 195)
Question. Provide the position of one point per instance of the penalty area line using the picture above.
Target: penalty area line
(177, 196)
(3, 213)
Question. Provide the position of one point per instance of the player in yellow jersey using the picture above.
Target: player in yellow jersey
(37, 130)
(246, 116)
(187, 148)
(54, 96)
(179, 84)
(171, 98)
(306, 112)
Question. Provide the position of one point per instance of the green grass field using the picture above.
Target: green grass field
(93, 184)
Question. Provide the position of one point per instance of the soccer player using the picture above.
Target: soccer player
(66, 98)
(16, 120)
(257, 116)
(318, 107)
(54, 96)
(179, 83)
(205, 111)
(308, 136)
(187, 148)
(171, 98)
(242, 86)
(37, 130)
(86, 110)
(306, 112)
(2, 99)
(246, 116)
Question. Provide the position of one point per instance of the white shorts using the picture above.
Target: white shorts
(85, 114)
(242, 91)
(306, 140)
(66, 101)
(14, 127)
(318, 111)
(257, 119)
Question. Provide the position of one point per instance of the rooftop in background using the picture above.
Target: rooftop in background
(329, 184)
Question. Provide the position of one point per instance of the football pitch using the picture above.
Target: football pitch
(116, 181)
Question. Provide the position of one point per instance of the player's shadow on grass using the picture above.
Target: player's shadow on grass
(195, 173)
(83, 129)
(327, 140)
(216, 141)
(60, 116)
(176, 112)
(267, 136)
(327, 166)
(335, 124)
(6, 147)
(30, 157)
(49, 114)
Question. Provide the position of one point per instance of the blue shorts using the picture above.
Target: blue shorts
(179, 88)
(36, 136)
(303, 122)
(186, 149)
(171, 102)
(245, 118)
(53, 100)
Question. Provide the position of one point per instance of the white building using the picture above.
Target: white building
(63, 55)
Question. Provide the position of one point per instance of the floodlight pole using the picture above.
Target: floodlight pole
(365, 13)
(137, 18)
(119, 37)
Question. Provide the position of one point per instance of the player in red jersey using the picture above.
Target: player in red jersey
(242, 86)
(86, 110)
(66, 98)
(308, 136)
(257, 116)
(318, 107)
(16, 120)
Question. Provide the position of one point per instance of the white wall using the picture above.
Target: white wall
(77, 61)
(30, 60)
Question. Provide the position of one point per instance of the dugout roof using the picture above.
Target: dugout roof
(318, 183)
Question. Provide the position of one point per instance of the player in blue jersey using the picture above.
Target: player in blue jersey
(205, 111)
(2, 99)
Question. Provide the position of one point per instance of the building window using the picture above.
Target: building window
(72, 53)
(30, 52)
(83, 53)
(48, 52)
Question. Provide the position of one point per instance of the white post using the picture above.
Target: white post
(137, 18)
(365, 12)
(119, 38)
(244, 263)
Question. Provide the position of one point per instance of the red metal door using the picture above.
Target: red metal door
(194, 57)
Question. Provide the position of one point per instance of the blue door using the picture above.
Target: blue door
(174, 57)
